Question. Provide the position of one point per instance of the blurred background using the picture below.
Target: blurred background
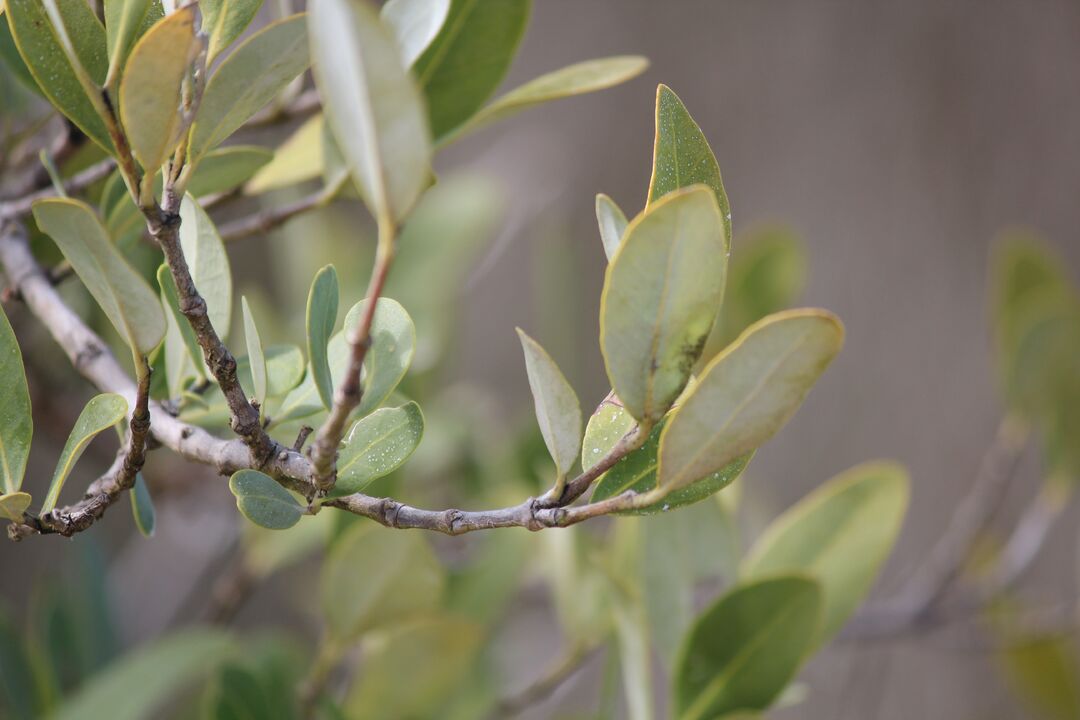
(896, 141)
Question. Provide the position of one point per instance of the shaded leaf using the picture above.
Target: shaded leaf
(208, 263)
(322, 307)
(1043, 671)
(415, 23)
(256, 359)
(377, 445)
(16, 419)
(225, 169)
(123, 20)
(297, 159)
(224, 21)
(13, 505)
(612, 223)
(558, 411)
(183, 355)
(263, 501)
(142, 507)
(101, 413)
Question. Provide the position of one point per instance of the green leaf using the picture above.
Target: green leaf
(127, 300)
(393, 343)
(415, 23)
(9, 55)
(558, 411)
(284, 369)
(322, 307)
(661, 293)
(840, 535)
(263, 501)
(179, 336)
(208, 263)
(43, 54)
(298, 159)
(101, 413)
(377, 445)
(237, 694)
(743, 650)
(123, 20)
(150, 89)
(747, 393)
(224, 21)
(1043, 671)
(256, 359)
(248, 79)
(469, 58)
(16, 420)
(225, 169)
(13, 505)
(608, 424)
(372, 105)
(375, 576)
(612, 223)
(139, 683)
(142, 507)
(20, 691)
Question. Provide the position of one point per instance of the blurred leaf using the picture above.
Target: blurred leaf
(9, 55)
(612, 223)
(746, 647)
(247, 80)
(484, 589)
(237, 694)
(101, 413)
(415, 23)
(183, 355)
(18, 696)
(1044, 672)
(224, 169)
(298, 159)
(142, 507)
(374, 577)
(632, 636)
(268, 551)
(123, 20)
(393, 343)
(224, 21)
(14, 504)
(840, 535)
(208, 263)
(469, 58)
(747, 393)
(322, 307)
(263, 501)
(151, 86)
(256, 359)
(16, 420)
(660, 295)
(127, 300)
(372, 105)
(558, 411)
(377, 445)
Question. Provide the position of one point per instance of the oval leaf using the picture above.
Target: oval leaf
(393, 343)
(606, 427)
(263, 501)
(256, 358)
(372, 106)
(13, 505)
(322, 307)
(377, 445)
(284, 369)
(558, 411)
(743, 651)
(123, 20)
(660, 296)
(142, 507)
(16, 420)
(747, 393)
(224, 21)
(415, 23)
(297, 159)
(101, 413)
(225, 169)
(208, 263)
(612, 223)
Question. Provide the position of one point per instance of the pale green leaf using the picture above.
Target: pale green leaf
(101, 413)
(14, 504)
(377, 445)
(256, 359)
(747, 393)
(123, 20)
(840, 535)
(415, 23)
(16, 420)
(224, 169)
(612, 223)
(142, 507)
(224, 21)
(248, 79)
(208, 263)
(322, 307)
(746, 647)
(608, 424)
(263, 501)
(284, 369)
(393, 343)
(661, 293)
(127, 300)
(298, 159)
(632, 636)
(558, 411)
(183, 355)
(372, 106)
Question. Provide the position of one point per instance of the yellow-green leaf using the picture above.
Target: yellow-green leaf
(1044, 671)
(298, 159)
(415, 23)
(558, 411)
(377, 445)
(612, 223)
(263, 501)
(256, 358)
(224, 169)
(101, 413)
(14, 504)
(16, 420)
(224, 21)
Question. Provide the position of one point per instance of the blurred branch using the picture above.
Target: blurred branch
(541, 689)
(20, 207)
(270, 218)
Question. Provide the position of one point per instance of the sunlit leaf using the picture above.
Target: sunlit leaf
(558, 411)
(224, 21)
(13, 505)
(101, 413)
(377, 445)
(393, 343)
(225, 169)
(208, 263)
(415, 23)
(612, 223)
(297, 159)
(263, 501)
(16, 420)
(142, 507)
(256, 359)
(322, 307)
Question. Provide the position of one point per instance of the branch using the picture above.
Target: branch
(267, 220)
(20, 207)
(544, 686)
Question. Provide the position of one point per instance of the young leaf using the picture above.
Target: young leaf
(142, 507)
(297, 159)
(372, 105)
(612, 223)
(393, 343)
(127, 300)
(263, 501)
(150, 88)
(747, 393)
(177, 364)
(226, 168)
(840, 535)
(743, 651)
(14, 504)
(123, 19)
(208, 263)
(415, 23)
(224, 21)
(248, 79)
(660, 296)
(469, 58)
(256, 359)
(16, 420)
(377, 445)
(101, 413)
(558, 411)
(322, 307)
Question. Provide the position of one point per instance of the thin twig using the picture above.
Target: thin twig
(541, 689)
(266, 220)
(21, 207)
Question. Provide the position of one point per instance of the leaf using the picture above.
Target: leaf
(256, 359)
(139, 683)
(415, 23)
(237, 693)
(43, 54)
(840, 535)
(632, 634)
(248, 79)
(612, 223)
(372, 105)
(374, 577)
(13, 504)
(208, 263)
(225, 169)
(747, 393)
(469, 58)
(123, 20)
(558, 411)
(224, 21)
(150, 89)
(746, 647)
(101, 413)
(660, 296)
(284, 369)
(20, 688)
(127, 300)
(16, 419)
(377, 445)
(177, 364)
(322, 307)
(393, 343)
(142, 507)
(9, 55)
(296, 160)
(606, 427)
(263, 501)
(1043, 671)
